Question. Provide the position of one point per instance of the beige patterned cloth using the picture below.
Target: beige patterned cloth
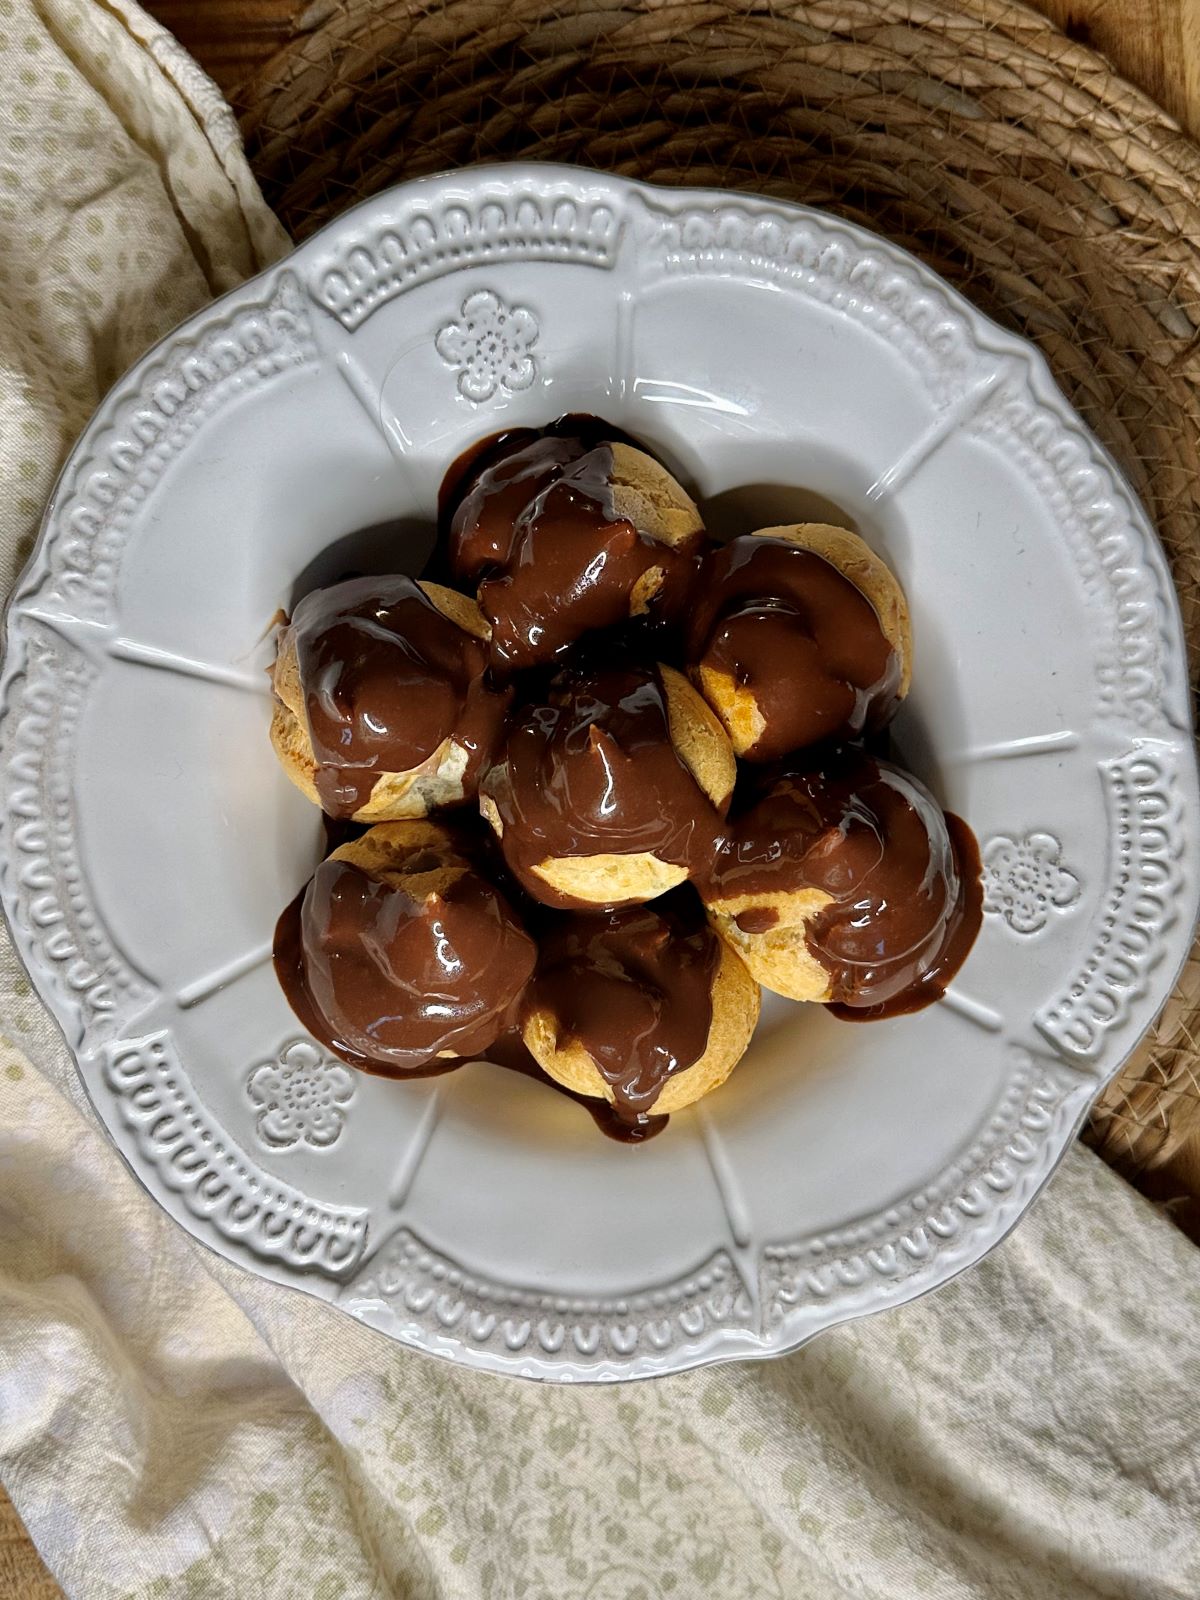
(170, 1426)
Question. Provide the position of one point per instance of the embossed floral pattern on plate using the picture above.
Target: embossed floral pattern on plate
(453, 1213)
(489, 346)
(302, 1096)
(1024, 880)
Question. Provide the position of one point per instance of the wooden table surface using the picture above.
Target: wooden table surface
(1154, 43)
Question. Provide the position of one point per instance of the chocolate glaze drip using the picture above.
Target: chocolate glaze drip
(386, 678)
(392, 974)
(904, 879)
(784, 623)
(338, 831)
(536, 527)
(590, 769)
(462, 474)
(634, 988)
(757, 919)
(392, 981)
(507, 1050)
(510, 1053)
(955, 946)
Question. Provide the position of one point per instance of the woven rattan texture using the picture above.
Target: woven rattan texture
(1061, 200)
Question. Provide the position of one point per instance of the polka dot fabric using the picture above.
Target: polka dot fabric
(121, 212)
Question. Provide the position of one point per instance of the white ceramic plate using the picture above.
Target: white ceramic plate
(780, 361)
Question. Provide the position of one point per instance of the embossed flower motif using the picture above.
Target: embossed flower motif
(301, 1093)
(489, 346)
(1024, 878)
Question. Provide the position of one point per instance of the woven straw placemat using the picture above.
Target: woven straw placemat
(1060, 199)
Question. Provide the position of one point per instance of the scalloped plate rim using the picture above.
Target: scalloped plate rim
(992, 337)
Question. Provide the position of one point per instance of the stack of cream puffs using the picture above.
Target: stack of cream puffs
(614, 778)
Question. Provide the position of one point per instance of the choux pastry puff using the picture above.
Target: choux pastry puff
(401, 953)
(566, 534)
(798, 634)
(382, 705)
(611, 787)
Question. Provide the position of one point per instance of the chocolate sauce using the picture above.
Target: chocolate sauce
(785, 624)
(509, 1052)
(634, 988)
(386, 678)
(578, 432)
(396, 970)
(337, 831)
(536, 527)
(959, 936)
(590, 769)
(903, 879)
(757, 919)
(412, 970)
(508, 474)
